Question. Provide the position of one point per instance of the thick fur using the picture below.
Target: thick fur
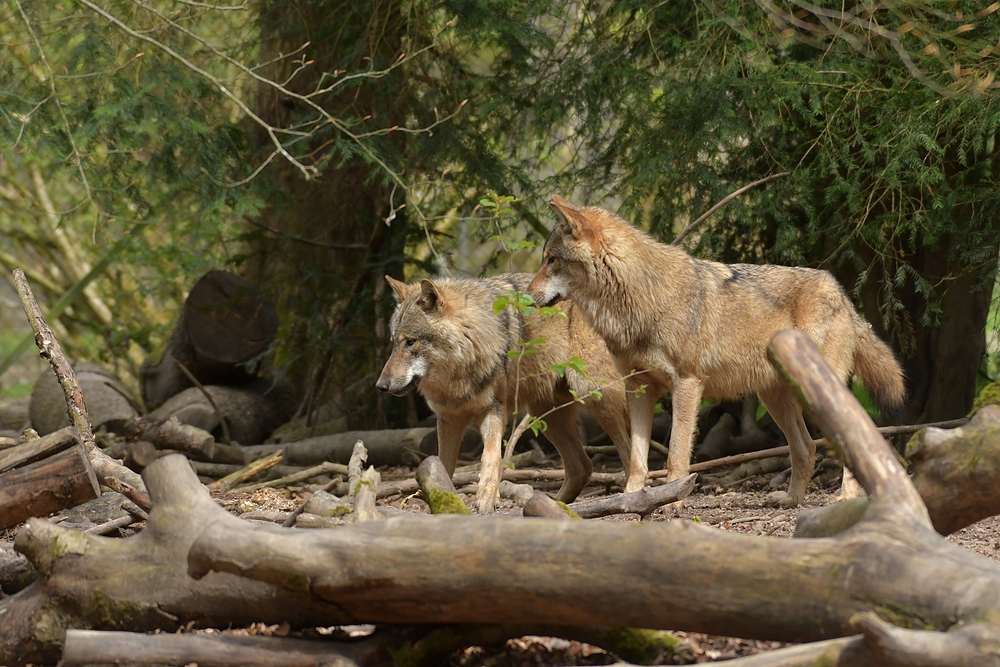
(701, 329)
(449, 343)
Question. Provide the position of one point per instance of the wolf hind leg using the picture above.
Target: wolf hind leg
(787, 414)
(561, 432)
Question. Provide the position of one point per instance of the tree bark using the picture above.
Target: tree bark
(63, 480)
(941, 360)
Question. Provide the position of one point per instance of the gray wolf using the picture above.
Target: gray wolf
(448, 343)
(700, 329)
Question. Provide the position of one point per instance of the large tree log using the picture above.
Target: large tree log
(252, 411)
(385, 448)
(88, 647)
(224, 326)
(141, 582)
(659, 575)
(109, 403)
(63, 480)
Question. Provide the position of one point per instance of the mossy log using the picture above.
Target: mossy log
(648, 575)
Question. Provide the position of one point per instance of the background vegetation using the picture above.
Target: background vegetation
(315, 146)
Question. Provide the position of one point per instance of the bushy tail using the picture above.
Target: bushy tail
(878, 369)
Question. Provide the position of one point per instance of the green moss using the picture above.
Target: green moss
(828, 658)
(567, 510)
(902, 617)
(445, 502)
(432, 649)
(108, 612)
(990, 395)
(639, 645)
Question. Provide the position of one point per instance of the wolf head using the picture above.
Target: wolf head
(412, 335)
(570, 252)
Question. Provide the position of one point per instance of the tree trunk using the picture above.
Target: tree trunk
(326, 245)
(941, 360)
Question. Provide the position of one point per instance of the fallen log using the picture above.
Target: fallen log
(662, 575)
(641, 502)
(64, 479)
(249, 411)
(171, 434)
(139, 583)
(38, 449)
(385, 448)
(954, 470)
(109, 403)
(88, 647)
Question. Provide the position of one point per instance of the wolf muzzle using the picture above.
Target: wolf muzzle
(397, 390)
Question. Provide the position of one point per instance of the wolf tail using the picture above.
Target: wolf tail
(878, 369)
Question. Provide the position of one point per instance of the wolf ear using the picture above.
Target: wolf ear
(399, 288)
(572, 215)
(430, 297)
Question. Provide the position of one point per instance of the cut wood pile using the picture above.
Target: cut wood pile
(883, 587)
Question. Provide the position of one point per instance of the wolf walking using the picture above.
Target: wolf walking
(700, 329)
(448, 342)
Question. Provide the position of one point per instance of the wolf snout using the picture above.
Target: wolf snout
(382, 384)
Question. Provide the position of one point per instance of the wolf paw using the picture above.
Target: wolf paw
(486, 504)
(781, 499)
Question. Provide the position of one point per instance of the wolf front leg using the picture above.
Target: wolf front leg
(686, 397)
(641, 403)
(450, 431)
(489, 473)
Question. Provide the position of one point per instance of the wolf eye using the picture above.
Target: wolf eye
(552, 260)
(410, 342)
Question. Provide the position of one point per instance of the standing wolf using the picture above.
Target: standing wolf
(449, 343)
(701, 329)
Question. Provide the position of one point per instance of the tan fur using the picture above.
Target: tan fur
(449, 343)
(701, 329)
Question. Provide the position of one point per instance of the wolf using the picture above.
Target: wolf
(700, 329)
(450, 344)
